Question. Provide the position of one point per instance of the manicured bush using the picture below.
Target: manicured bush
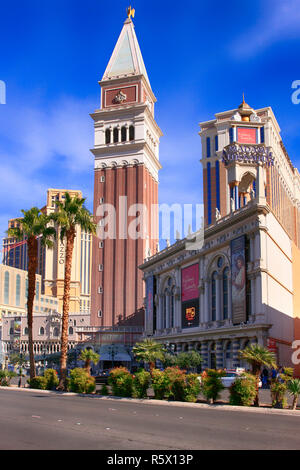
(121, 382)
(51, 379)
(243, 390)
(278, 391)
(81, 382)
(158, 384)
(141, 382)
(192, 388)
(174, 380)
(39, 383)
(211, 385)
(5, 377)
(104, 390)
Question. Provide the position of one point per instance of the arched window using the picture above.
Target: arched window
(214, 296)
(42, 331)
(6, 288)
(123, 134)
(26, 331)
(11, 331)
(116, 135)
(107, 136)
(131, 133)
(18, 290)
(71, 330)
(56, 331)
(225, 293)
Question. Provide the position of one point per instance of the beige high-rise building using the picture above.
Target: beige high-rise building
(52, 261)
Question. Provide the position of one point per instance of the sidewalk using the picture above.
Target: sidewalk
(218, 406)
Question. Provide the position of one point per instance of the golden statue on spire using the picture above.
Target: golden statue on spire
(130, 12)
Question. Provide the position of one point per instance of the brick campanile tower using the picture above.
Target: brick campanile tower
(126, 174)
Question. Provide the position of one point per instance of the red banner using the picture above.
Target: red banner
(246, 135)
(190, 282)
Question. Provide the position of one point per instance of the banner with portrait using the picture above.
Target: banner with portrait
(238, 280)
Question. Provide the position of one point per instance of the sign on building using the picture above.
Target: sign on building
(190, 296)
(238, 280)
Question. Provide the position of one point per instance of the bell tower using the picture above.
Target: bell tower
(126, 152)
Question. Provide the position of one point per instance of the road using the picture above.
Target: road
(31, 420)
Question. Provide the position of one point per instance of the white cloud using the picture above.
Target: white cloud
(41, 148)
(280, 20)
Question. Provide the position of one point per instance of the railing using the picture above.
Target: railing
(118, 329)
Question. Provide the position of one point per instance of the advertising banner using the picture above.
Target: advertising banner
(238, 280)
(190, 283)
(17, 327)
(246, 135)
(190, 314)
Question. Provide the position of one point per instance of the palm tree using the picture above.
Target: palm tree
(68, 216)
(258, 356)
(149, 351)
(33, 226)
(88, 355)
(293, 387)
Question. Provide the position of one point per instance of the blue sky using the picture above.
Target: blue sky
(200, 57)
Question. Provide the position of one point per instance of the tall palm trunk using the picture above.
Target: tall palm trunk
(87, 366)
(70, 237)
(256, 372)
(295, 400)
(32, 267)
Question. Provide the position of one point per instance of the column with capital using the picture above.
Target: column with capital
(206, 301)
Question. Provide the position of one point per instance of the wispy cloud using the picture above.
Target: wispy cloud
(41, 148)
(280, 20)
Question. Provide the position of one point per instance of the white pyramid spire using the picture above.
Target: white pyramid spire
(127, 59)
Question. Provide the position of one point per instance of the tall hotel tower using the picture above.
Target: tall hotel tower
(126, 155)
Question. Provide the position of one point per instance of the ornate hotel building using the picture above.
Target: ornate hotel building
(52, 260)
(126, 153)
(240, 284)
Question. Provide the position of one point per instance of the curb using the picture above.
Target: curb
(245, 409)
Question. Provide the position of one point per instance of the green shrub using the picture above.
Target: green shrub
(141, 382)
(104, 390)
(212, 384)
(121, 382)
(174, 379)
(51, 379)
(6, 376)
(192, 388)
(38, 382)
(243, 390)
(278, 391)
(158, 384)
(81, 382)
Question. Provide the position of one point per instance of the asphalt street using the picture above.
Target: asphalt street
(31, 420)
